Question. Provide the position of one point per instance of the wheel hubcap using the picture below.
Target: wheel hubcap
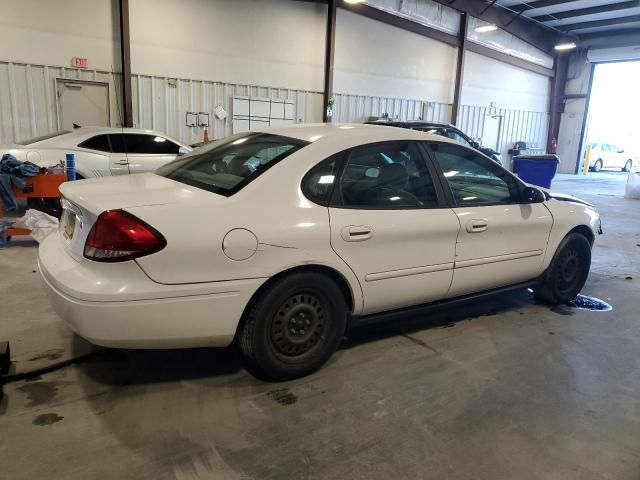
(298, 325)
(568, 269)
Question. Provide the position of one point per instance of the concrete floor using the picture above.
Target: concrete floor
(502, 389)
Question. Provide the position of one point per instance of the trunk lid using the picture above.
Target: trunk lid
(84, 200)
(100, 194)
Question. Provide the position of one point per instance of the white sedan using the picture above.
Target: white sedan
(283, 238)
(101, 151)
(605, 155)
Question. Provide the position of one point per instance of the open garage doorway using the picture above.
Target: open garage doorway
(611, 134)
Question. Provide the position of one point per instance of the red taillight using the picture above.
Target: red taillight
(117, 236)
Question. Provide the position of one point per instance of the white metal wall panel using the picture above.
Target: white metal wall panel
(28, 104)
(157, 104)
(358, 108)
(517, 125)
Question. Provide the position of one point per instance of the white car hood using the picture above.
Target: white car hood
(146, 189)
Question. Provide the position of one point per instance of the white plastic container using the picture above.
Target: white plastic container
(633, 185)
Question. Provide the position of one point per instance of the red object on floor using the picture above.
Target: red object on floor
(44, 186)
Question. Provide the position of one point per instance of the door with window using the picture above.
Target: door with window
(502, 241)
(141, 153)
(390, 224)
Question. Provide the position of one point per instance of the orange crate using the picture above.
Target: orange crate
(44, 186)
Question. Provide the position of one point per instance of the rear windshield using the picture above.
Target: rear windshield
(226, 166)
(30, 141)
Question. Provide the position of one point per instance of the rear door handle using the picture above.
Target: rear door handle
(356, 233)
(123, 162)
(477, 226)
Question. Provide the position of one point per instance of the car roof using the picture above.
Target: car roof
(364, 132)
(411, 123)
(98, 130)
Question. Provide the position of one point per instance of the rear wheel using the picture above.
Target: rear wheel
(568, 271)
(627, 166)
(50, 206)
(597, 166)
(294, 327)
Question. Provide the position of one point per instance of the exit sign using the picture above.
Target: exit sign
(79, 62)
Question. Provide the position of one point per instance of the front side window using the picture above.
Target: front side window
(228, 165)
(139, 143)
(386, 176)
(473, 179)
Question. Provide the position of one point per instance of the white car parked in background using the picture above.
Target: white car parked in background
(605, 155)
(100, 151)
(281, 238)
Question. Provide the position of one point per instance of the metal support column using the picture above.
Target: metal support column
(330, 42)
(125, 59)
(462, 49)
(556, 106)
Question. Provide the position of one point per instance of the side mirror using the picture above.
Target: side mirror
(182, 151)
(532, 195)
(475, 144)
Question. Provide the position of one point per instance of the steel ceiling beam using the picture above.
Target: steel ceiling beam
(538, 4)
(600, 23)
(503, 17)
(581, 12)
(401, 22)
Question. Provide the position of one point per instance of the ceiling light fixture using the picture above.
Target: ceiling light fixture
(353, 1)
(565, 46)
(486, 28)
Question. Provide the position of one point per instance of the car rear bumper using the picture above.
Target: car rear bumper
(124, 308)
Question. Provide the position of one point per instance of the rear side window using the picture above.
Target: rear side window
(226, 166)
(142, 144)
(388, 175)
(317, 185)
(99, 142)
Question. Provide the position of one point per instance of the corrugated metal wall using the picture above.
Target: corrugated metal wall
(160, 106)
(358, 108)
(517, 125)
(28, 106)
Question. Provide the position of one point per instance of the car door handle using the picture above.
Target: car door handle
(123, 162)
(356, 233)
(477, 226)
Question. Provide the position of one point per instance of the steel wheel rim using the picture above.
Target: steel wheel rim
(568, 270)
(298, 326)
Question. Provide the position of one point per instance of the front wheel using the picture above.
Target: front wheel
(568, 271)
(627, 166)
(294, 327)
(597, 166)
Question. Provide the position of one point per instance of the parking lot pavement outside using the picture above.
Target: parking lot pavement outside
(500, 389)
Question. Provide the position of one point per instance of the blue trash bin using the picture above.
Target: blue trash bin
(536, 169)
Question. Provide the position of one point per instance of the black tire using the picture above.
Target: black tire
(294, 327)
(568, 271)
(627, 166)
(50, 206)
(597, 166)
